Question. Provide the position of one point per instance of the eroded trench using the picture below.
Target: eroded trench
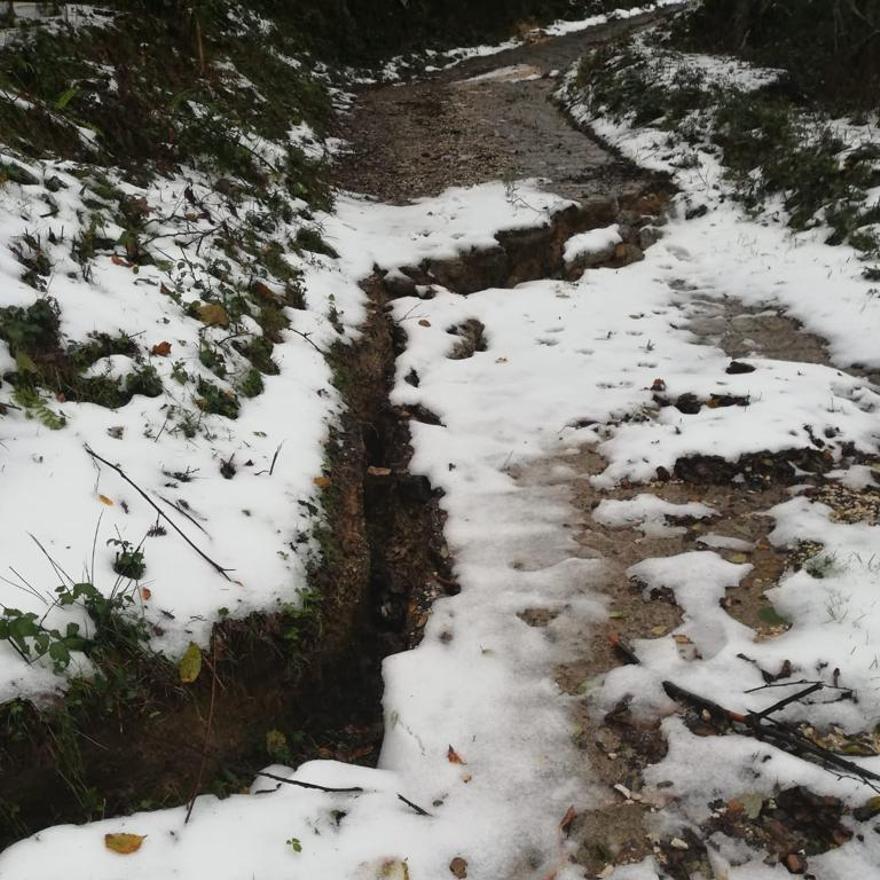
(281, 688)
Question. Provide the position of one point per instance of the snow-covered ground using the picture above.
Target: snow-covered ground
(478, 734)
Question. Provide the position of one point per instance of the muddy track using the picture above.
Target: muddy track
(385, 557)
(459, 129)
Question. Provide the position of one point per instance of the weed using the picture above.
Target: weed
(29, 399)
(129, 561)
(144, 380)
(211, 358)
(310, 239)
(251, 385)
(213, 399)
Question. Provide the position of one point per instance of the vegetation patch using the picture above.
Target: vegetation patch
(777, 146)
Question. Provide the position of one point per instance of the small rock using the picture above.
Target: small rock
(737, 367)
(678, 843)
(689, 404)
(648, 236)
(699, 211)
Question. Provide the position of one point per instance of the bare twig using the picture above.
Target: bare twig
(182, 512)
(208, 724)
(413, 806)
(215, 565)
(782, 736)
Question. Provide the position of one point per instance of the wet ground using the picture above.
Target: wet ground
(467, 125)
(494, 118)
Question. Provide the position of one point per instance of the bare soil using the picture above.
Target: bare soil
(454, 129)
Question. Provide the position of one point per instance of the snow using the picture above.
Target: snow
(561, 355)
(594, 242)
(649, 513)
(255, 524)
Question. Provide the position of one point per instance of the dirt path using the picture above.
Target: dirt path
(491, 119)
(470, 124)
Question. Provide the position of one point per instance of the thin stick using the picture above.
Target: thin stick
(782, 737)
(216, 566)
(207, 742)
(791, 699)
(275, 458)
(181, 511)
(413, 806)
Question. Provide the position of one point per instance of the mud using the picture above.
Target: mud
(456, 129)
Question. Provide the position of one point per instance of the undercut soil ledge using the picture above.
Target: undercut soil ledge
(290, 686)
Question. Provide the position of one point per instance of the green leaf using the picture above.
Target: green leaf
(190, 664)
(65, 97)
(770, 616)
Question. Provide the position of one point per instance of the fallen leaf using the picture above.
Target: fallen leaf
(424, 323)
(458, 866)
(752, 803)
(162, 349)
(119, 261)
(190, 664)
(213, 314)
(374, 471)
(453, 757)
(124, 844)
(146, 594)
(394, 869)
(659, 385)
(466, 778)
(322, 482)
(567, 819)
(105, 500)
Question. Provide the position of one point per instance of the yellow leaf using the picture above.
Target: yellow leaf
(322, 482)
(124, 844)
(213, 315)
(190, 664)
(105, 500)
(394, 869)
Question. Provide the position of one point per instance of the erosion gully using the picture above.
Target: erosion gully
(141, 742)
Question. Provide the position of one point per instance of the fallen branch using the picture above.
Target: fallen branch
(779, 734)
(215, 565)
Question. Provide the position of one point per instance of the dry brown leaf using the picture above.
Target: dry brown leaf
(424, 323)
(453, 757)
(162, 349)
(459, 867)
(105, 500)
(124, 844)
(322, 482)
(146, 594)
(567, 819)
(374, 471)
(119, 261)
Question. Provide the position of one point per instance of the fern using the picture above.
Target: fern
(32, 403)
